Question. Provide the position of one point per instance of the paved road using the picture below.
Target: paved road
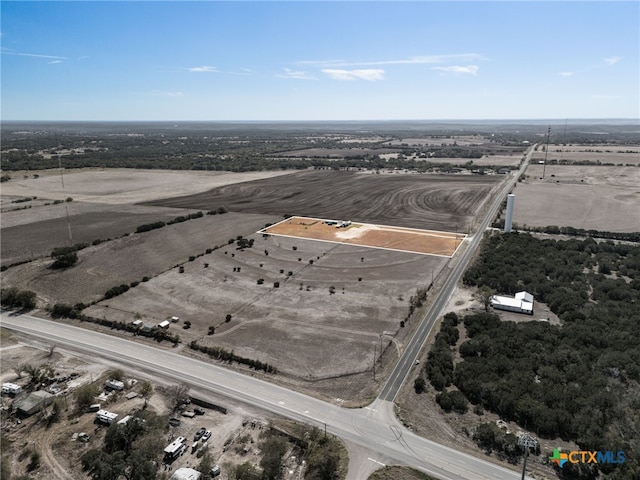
(372, 428)
(407, 360)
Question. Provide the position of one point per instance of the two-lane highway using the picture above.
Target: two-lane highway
(362, 427)
(410, 354)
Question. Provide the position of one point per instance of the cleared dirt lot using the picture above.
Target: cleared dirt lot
(437, 202)
(380, 236)
(589, 197)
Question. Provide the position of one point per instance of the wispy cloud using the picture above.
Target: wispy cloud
(34, 55)
(159, 93)
(612, 60)
(414, 60)
(567, 74)
(460, 69)
(297, 74)
(369, 74)
(203, 69)
(53, 62)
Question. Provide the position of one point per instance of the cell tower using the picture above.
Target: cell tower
(511, 200)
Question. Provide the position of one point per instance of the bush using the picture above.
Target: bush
(454, 400)
(115, 291)
(14, 298)
(64, 257)
(149, 226)
(419, 385)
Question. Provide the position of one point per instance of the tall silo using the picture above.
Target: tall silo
(511, 200)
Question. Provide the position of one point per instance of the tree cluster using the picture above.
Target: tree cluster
(226, 356)
(578, 381)
(130, 450)
(11, 297)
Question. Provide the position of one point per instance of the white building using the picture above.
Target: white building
(186, 474)
(521, 303)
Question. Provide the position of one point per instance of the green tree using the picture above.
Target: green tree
(272, 451)
(85, 395)
(245, 471)
(483, 295)
(64, 257)
(146, 391)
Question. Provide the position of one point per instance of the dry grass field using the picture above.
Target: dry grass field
(317, 311)
(299, 326)
(588, 197)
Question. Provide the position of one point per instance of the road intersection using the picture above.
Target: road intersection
(373, 429)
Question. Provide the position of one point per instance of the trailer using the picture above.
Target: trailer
(11, 388)
(175, 448)
(106, 417)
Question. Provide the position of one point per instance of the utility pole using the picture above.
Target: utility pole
(527, 442)
(546, 151)
(375, 350)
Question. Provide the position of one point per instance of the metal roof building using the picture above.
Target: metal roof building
(32, 403)
(522, 302)
(186, 474)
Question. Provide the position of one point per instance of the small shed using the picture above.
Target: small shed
(32, 403)
(175, 319)
(164, 324)
(186, 474)
(137, 323)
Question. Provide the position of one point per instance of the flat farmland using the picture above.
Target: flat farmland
(317, 311)
(102, 207)
(122, 185)
(33, 233)
(368, 235)
(299, 326)
(589, 197)
(431, 202)
(130, 258)
(617, 155)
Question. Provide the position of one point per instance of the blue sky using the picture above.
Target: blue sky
(319, 60)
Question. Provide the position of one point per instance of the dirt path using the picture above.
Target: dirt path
(42, 443)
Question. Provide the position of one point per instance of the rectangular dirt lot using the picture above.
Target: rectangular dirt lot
(368, 235)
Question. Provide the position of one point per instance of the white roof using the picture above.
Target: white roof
(513, 302)
(186, 474)
(527, 297)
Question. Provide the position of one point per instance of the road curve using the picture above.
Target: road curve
(366, 427)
